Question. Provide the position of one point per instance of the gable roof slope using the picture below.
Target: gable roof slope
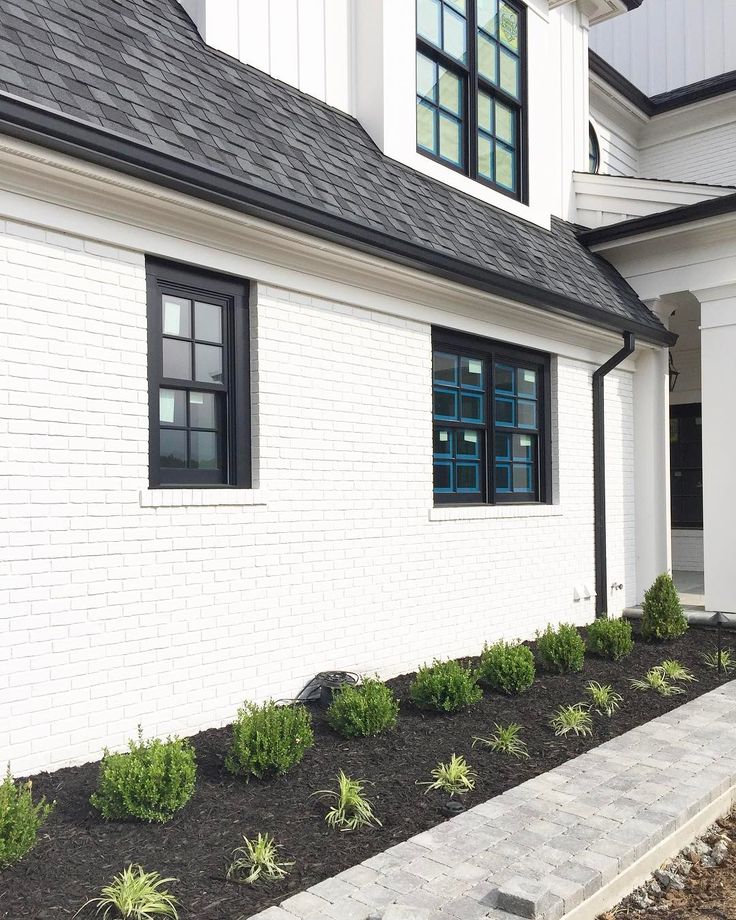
(130, 84)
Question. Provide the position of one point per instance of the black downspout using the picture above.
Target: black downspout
(599, 472)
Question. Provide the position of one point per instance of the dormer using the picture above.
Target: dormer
(488, 96)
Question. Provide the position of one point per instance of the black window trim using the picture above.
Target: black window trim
(472, 80)
(183, 280)
(492, 350)
(595, 144)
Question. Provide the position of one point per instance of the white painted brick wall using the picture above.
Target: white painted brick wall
(113, 614)
(703, 156)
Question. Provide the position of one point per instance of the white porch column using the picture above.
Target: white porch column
(718, 353)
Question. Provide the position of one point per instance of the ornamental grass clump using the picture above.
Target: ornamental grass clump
(135, 895)
(445, 686)
(604, 699)
(575, 719)
(455, 778)
(656, 679)
(363, 711)
(673, 670)
(350, 809)
(20, 819)
(662, 613)
(257, 861)
(561, 650)
(507, 667)
(725, 661)
(268, 739)
(505, 740)
(610, 639)
(149, 783)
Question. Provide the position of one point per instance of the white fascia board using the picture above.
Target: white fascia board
(608, 101)
(595, 10)
(692, 119)
(60, 193)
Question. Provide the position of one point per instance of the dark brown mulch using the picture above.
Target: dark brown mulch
(79, 852)
(709, 893)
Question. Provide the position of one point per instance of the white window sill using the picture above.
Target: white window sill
(201, 498)
(492, 512)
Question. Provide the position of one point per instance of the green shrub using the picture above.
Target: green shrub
(507, 667)
(445, 686)
(561, 650)
(268, 739)
(610, 639)
(662, 613)
(150, 783)
(367, 709)
(20, 819)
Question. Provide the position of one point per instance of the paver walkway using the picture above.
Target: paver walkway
(542, 848)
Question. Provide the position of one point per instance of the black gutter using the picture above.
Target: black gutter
(676, 217)
(599, 472)
(39, 125)
(673, 99)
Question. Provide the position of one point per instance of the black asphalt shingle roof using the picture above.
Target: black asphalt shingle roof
(141, 85)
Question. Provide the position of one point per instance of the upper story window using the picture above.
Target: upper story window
(594, 150)
(199, 407)
(471, 88)
(491, 429)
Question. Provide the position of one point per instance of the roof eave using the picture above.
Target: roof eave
(54, 130)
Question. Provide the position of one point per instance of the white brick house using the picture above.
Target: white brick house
(283, 389)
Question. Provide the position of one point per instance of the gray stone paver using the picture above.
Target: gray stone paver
(540, 849)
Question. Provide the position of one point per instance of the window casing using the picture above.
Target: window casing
(686, 465)
(471, 89)
(490, 422)
(199, 404)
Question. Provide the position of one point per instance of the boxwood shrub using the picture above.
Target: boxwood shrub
(268, 739)
(662, 613)
(363, 710)
(151, 782)
(445, 686)
(610, 639)
(20, 819)
(561, 650)
(507, 667)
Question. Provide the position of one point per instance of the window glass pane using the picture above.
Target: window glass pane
(471, 372)
(444, 367)
(503, 447)
(471, 407)
(442, 442)
(505, 378)
(203, 450)
(468, 478)
(505, 124)
(509, 80)
(487, 58)
(468, 444)
(459, 5)
(428, 20)
(172, 407)
(485, 112)
(177, 359)
(508, 27)
(485, 149)
(487, 12)
(443, 477)
(173, 448)
(426, 78)
(454, 34)
(522, 477)
(208, 363)
(175, 316)
(450, 142)
(524, 447)
(208, 322)
(445, 404)
(505, 412)
(426, 127)
(450, 95)
(527, 414)
(505, 169)
(503, 477)
(526, 382)
(202, 410)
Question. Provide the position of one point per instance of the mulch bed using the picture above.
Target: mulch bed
(78, 852)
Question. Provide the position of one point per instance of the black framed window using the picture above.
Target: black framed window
(198, 351)
(490, 422)
(686, 465)
(471, 89)
(594, 150)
